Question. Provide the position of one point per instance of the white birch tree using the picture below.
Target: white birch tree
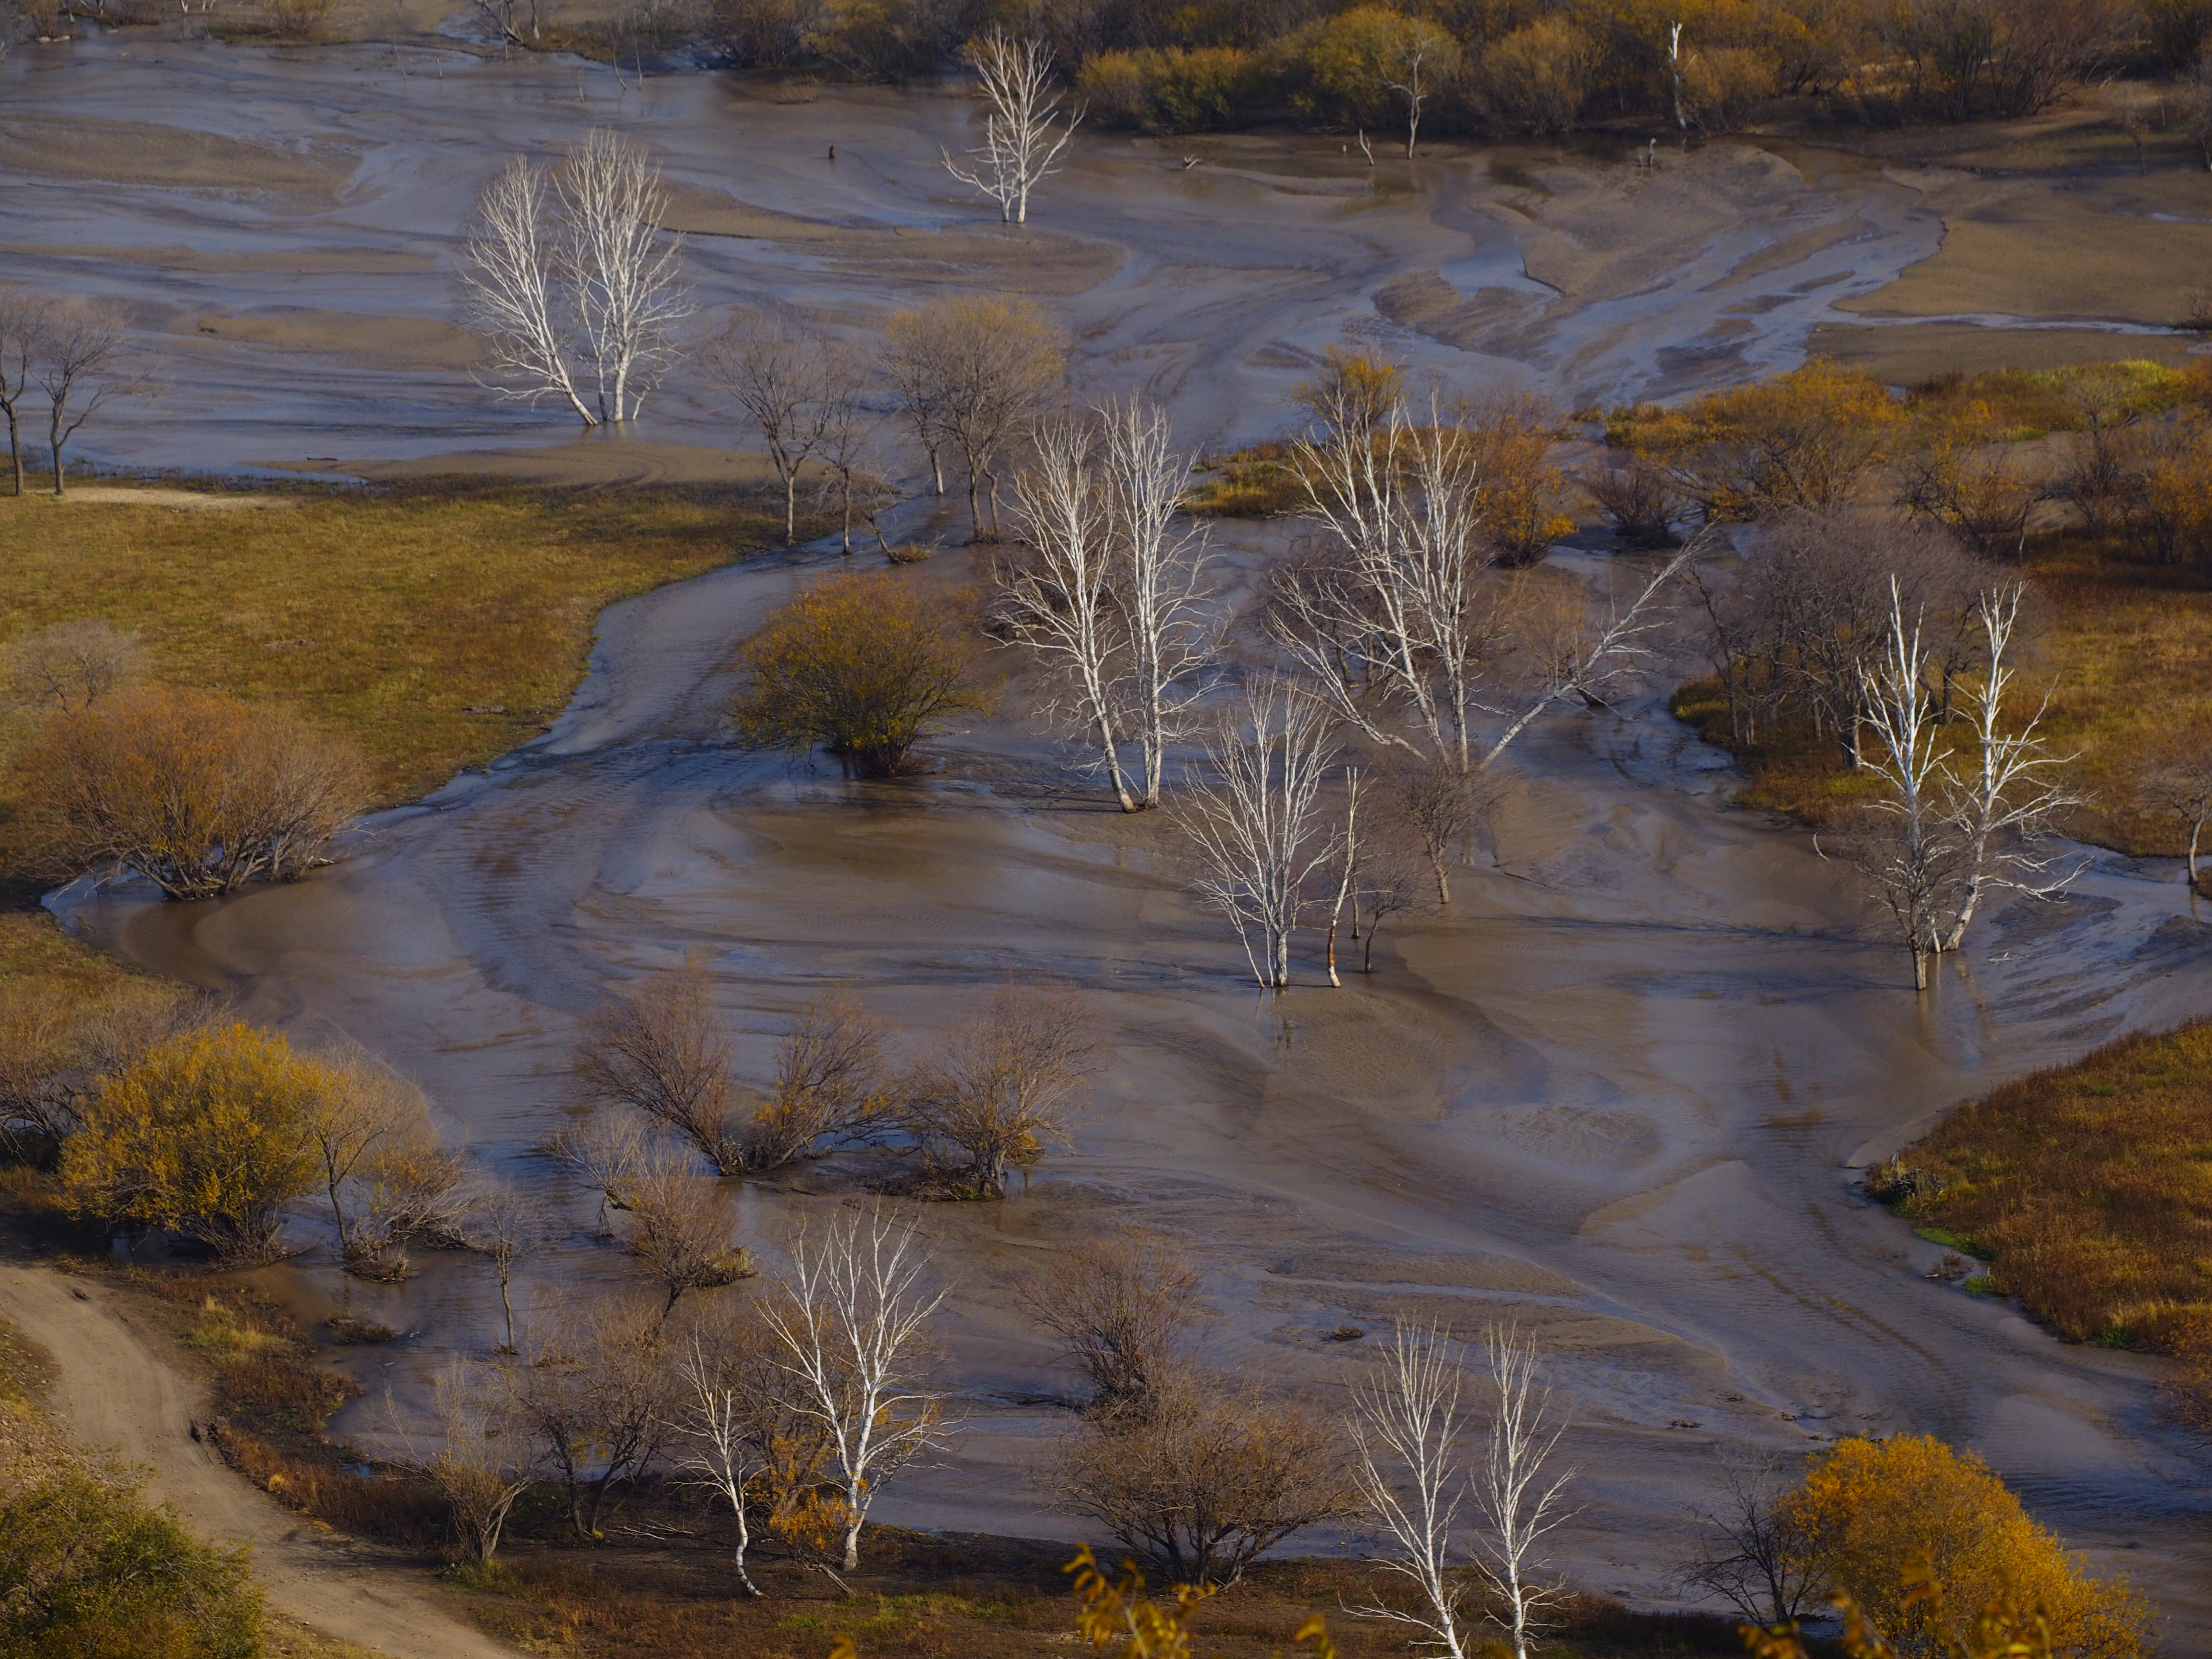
(1256, 823)
(849, 1316)
(780, 374)
(1520, 1497)
(1912, 859)
(1024, 130)
(1407, 1423)
(571, 282)
(719, 1419)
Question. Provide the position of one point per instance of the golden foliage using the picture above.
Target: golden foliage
(1887, 1519)
(205, 1134)
(198, 792)
(865, 664)
(2084, 1187)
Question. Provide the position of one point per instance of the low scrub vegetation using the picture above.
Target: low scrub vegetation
(2084, 1188)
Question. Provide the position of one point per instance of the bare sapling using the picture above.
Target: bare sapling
(480, 1455)
(719, 1419)
(69, 666)
(831, 1091)
(777, 369)
(1055, 591)
(1256, 822)
(849, 426)
(673, 1220)
(1435, 806)
(1752, 1552)
(849, 1316)
(1348, 849)
(24, 320)
(997, 1093)
(572, 284)
(1908, 853)
(1160, 582)
(1122, 1307)
(1520, 1494)
(382, 1170)
(1406, 1422)
(1024, 130)
(80, 355)
(504, 1223)
(1387, 882)
(2180, 784)
(976, 374)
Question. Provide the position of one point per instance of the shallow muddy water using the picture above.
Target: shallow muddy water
(1617, 1096)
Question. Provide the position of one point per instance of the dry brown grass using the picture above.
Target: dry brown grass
(2086, 1188)
(435, 626)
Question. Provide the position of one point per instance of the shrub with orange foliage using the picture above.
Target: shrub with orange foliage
(198, 792)
(1873, 1512)
(1805, 439)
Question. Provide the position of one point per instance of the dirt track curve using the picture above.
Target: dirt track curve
(113, 1390)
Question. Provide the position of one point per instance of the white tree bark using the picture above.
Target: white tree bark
(1023, 134)
(1055, 595)
(725, 1457)
(849, 1316)
(1915, 865)
(1407, 1421)
(509, 281)
(1519, 1498)
(1256, 823)
(1160, 580)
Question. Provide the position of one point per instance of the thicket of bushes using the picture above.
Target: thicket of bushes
(1505, 66)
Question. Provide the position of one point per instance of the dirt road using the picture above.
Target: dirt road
(114, 1391)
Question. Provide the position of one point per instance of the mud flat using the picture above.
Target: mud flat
(1616, 1096)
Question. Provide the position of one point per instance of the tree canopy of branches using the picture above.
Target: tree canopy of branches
(997, 1092)
(1205, 1477)
(206, 1134)
(80, 357)
(599, 1392)
(572, 284)
(799, 386)
(197, 793)
(1024, 132)
(1121, 1306)
(672, 1219)
(480, 1455)
(974, 374)
(865, 665)
(382, 1170)
(849, 1318)
(661, 1051)
(58, 1043)
(68, 667)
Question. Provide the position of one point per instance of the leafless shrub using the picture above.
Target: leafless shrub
(1121, 1306)
(384, 1175)
(1637, 500)
(671, 1220)
(69, 666)
(598, 1395)
(505, 1222)
(57, 1043)
(831, 1085)
(479, 1454)
(1434, 808)
(298, 20)
(197, 793)
(997, 1092)
(1205, 1477)
(1752, 1550)
(2180, 784)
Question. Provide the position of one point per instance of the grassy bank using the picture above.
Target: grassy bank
(436, 627)
(2085, 1187)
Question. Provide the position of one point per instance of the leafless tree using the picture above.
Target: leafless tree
(661, 1050)
(1205, 1477)
(1348, 842)
(975, 373)
(2180, 783)
(1055, 591)
(384, 1174)
(1436, 806)
(599, 1394)
(998, 1092)
(24, 320)
(1160, 583)
(849, 427)
(720, 1419)
(1519, 1495)
(1122, 1305)
(1023, 130)
(79, 358)
(849, 1316)
(1405, 1423)
(672, 1219)
(1256, 823)
(832, 1090)
(570, 280)
(484, 1460)
(1752, 1552)
(505, 1223)
(1387, 881)
(777, 367)
(69, 666)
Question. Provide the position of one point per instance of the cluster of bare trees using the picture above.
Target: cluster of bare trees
(791, 1414)
(1408, 629)
(1200, 1473)
(992, 1097)
(806, 392)
(71, 354)
(572, 284)
(387, 1179)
